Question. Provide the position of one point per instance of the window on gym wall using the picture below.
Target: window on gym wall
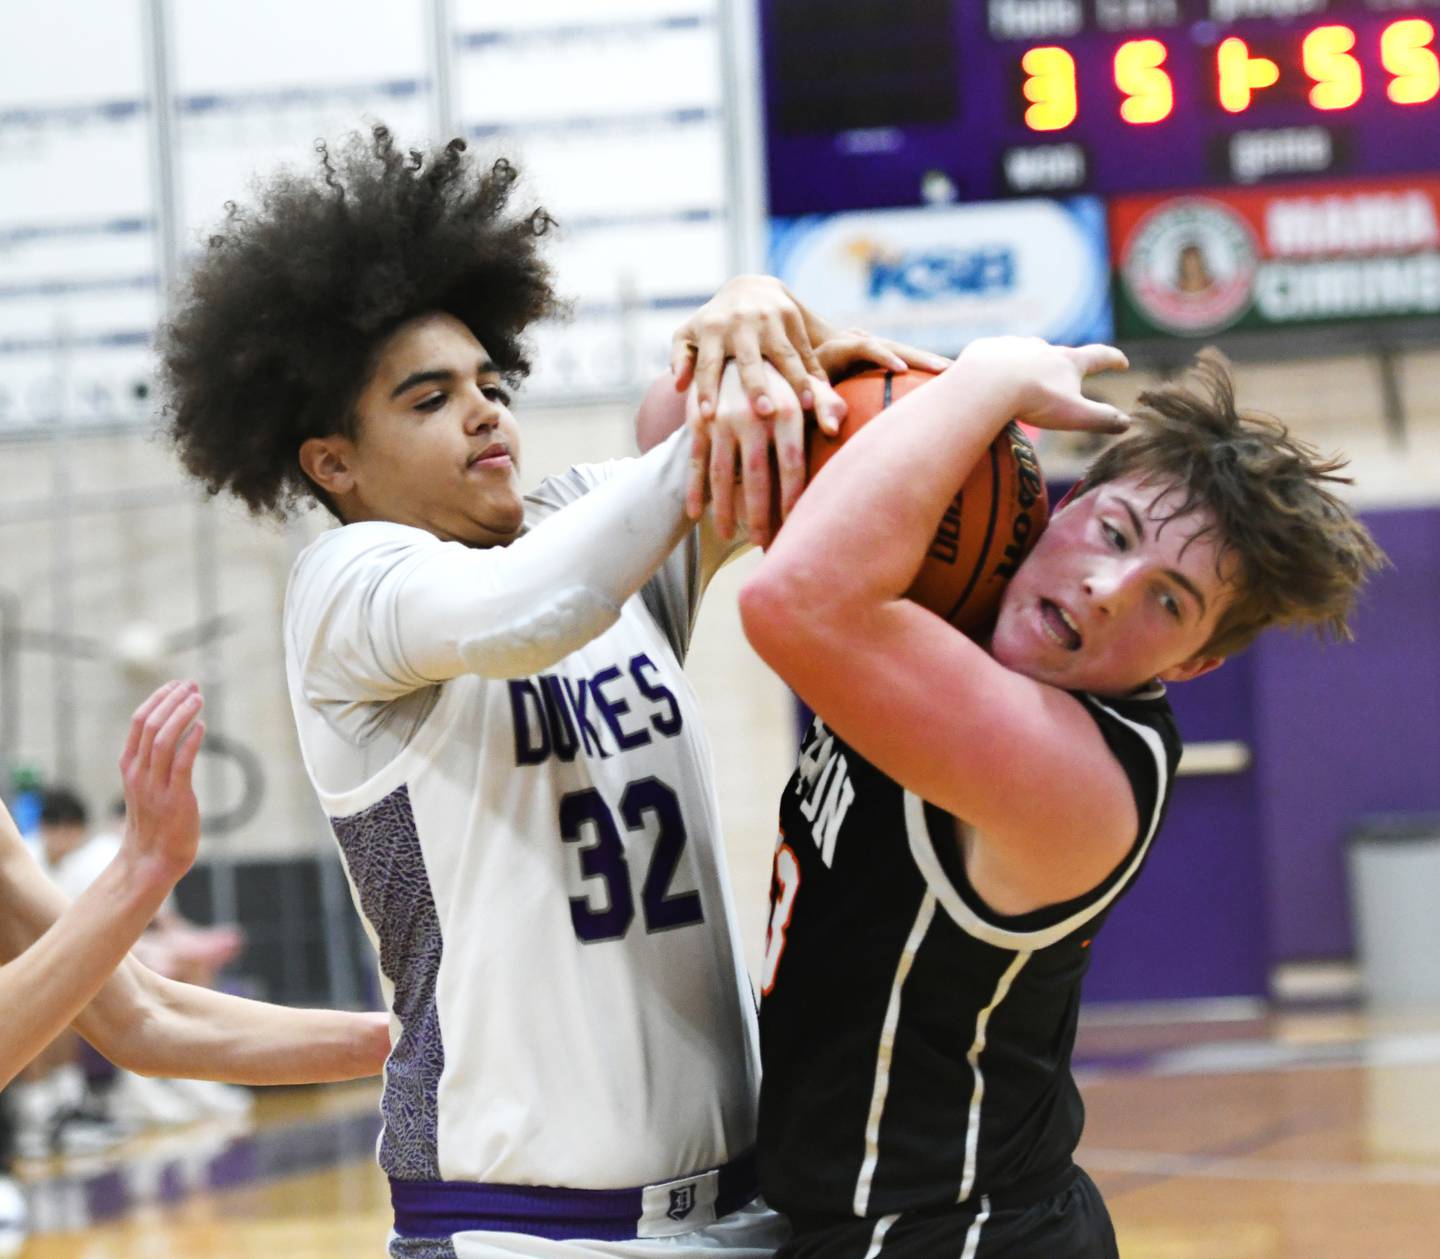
(78, 266)
(614, 111)
(612, 108)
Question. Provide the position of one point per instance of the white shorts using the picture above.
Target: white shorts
(752, 1232)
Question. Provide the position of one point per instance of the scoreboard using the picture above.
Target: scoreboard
(891, 103)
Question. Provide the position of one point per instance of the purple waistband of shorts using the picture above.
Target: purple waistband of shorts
(442, 1208)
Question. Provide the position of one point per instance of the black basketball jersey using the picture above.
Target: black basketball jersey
(916, 1045)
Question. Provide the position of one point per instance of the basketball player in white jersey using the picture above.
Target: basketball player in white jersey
(491, 707)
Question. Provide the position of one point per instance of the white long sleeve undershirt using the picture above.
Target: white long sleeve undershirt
(377, 610)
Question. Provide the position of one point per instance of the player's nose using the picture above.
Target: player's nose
(479, 412)
(1110, 584)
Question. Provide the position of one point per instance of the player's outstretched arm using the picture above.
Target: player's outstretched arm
(517, 610)
(826, 608)
(155, 1026)
(63, 954)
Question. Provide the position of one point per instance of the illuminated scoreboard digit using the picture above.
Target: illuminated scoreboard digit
(870, 103)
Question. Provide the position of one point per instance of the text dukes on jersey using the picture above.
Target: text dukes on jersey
(537, 852)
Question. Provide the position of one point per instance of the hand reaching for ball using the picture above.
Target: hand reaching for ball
(736, 431)
(1045, 381)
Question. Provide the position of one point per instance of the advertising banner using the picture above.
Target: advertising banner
(1282, 257)
(941, 276)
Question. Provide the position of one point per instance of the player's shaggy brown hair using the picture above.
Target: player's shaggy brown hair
(278, 326)
(1302, 555)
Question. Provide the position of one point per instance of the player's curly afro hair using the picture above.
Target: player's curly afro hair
(277, 328)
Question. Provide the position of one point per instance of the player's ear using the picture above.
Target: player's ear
(328, 462)
(1188, 670)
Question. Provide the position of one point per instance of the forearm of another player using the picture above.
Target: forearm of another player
(661, 413)
(75, 948)
(156, 1026)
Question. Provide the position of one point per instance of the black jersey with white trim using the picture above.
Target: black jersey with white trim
(916, 1045)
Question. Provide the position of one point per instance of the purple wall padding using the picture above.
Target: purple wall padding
(1346, 731)
(1193, 925)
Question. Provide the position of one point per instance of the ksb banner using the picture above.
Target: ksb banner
(940, 276)
(1293, 256)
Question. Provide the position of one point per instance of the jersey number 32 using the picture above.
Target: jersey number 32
(604, 859)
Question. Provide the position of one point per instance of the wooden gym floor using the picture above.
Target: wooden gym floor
(1293, 1136)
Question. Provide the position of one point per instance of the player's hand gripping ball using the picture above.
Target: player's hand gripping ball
(996, 516)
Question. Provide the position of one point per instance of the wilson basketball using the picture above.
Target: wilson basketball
(994, 519)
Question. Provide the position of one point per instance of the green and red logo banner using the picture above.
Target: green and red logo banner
(1196, 264)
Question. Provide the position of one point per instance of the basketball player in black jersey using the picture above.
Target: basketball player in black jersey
(963, 816)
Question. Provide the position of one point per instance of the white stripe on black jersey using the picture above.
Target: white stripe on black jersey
(916, 1044)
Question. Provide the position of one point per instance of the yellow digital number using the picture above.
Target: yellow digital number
(1050, 87)
(1327, 60)
(1149, 92)
(1242, 75)
(1405, 51)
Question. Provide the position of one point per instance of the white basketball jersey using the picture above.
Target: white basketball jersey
(538, 863)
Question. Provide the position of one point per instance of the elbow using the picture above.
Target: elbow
(130, 1029)
(776, 617)
(376, 1045)
(133, 1059)
(121, 1043)
(803, 614)
(758, 610)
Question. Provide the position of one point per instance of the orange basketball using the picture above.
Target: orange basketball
(994, 519)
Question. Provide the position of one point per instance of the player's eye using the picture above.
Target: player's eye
(1171, 604)
(496, 393)
(1114, 536)
(431, 402)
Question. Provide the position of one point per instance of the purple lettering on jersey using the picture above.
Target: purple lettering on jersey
(557, 713)
(585, 813)
(613, 709)
(532, 740)
(553, 715)
(656, 693)
(579, 696)
(663, 910)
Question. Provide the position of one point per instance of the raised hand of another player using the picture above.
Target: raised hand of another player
(755, 320)
(854, 349)
(162, 819)
(735, 431)
(1046, 381)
